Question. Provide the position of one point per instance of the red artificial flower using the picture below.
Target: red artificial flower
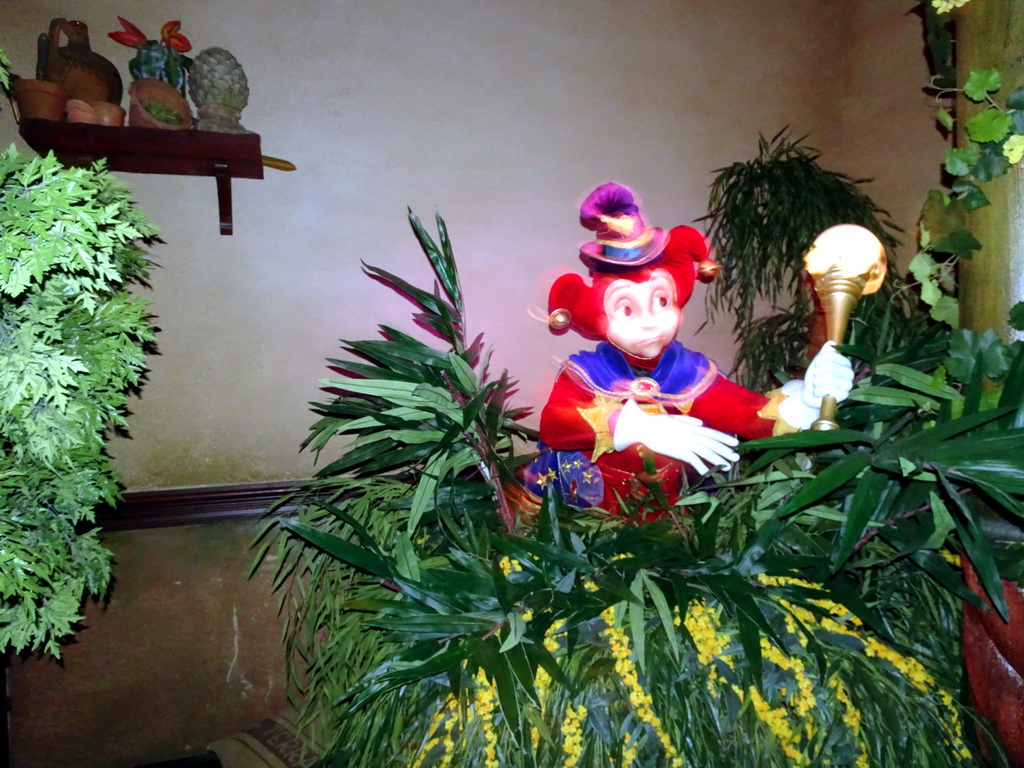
(132, 36)
(170, 35)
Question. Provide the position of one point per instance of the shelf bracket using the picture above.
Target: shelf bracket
(224, 198)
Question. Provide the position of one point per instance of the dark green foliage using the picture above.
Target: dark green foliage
(5, 75)
(763, 216)
(928, 439)
(431, 440)
(420, 570)
(327, 647)
(71, 338)
(938, 34)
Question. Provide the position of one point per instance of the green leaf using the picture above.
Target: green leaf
(516, 629)
(864, 506)
(750, 639)
(922, 267)
(336, 547)
(1016, 99)
(889, 396)
(448, 275)
(960, 159)
(946, 310)
(981, 82)
(425, 488)
(565, 584)
(966, 348)
(830, 479)
(387, 676)
(1017, 316)
(637, 621)
(988, 125)
(525, 672)
(952, 580)
(970, 194)
(428, 302)
(942, 521)
(664, 611)
(992, 163)
(464, 375)
(775, 446)
(977, 548)
(945, 119)
(442, 262)
(406, 561)
(945, 221)
(917, 380)
(435, 626)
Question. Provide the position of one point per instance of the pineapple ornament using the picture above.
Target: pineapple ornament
(220, 90)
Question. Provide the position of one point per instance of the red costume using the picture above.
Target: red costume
(578, 410)
(577, 452)
(641, 411)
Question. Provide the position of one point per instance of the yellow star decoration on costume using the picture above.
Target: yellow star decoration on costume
(597, 417)
(547, 477)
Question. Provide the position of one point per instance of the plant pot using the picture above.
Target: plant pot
(39, 100)
(161, 98)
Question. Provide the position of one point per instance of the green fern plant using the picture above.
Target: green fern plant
(762, 217)
(71, 349)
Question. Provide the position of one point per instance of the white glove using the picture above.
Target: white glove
(680, 437)
(828, 374)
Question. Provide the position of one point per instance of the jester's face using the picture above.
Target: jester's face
(643, 317)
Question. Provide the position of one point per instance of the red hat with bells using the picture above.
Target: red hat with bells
(625, 248)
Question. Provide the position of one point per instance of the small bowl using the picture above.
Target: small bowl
(108, 113)
(77, 111)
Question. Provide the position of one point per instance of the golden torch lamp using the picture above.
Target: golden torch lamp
(846, 261)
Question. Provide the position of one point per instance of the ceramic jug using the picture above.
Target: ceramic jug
(83, 73)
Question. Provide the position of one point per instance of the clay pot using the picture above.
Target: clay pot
(107, 113)
(160, 97)
(39, 100)
(77, 111)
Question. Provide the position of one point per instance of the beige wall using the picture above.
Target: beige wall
(887, 129)
(187, 651)
(501, 115)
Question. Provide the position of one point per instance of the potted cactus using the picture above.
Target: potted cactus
(160, 72)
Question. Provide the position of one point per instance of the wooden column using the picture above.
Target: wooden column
(990, 35)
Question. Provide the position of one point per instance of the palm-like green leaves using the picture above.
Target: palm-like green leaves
(763, 216)
(409, 406)
(480, 634)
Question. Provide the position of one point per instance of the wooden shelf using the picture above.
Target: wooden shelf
(148, 150)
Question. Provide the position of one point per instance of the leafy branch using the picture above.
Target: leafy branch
(993, 143)
(72, 342)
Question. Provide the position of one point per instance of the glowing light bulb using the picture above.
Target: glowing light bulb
(850, 249)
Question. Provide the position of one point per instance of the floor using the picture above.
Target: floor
(207, 760)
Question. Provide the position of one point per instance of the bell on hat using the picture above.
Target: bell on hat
(624, 240)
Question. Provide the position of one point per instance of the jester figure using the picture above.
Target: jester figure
(641, 411)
